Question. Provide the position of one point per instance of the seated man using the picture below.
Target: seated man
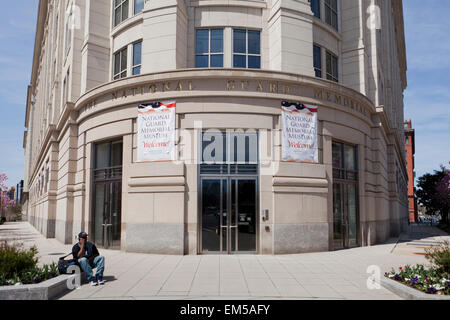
(88, 257)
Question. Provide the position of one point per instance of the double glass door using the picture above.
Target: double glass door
(229, 215)
(108, 214)
(107, 197)
(345, 209)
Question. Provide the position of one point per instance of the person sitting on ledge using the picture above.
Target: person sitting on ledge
(88, 257)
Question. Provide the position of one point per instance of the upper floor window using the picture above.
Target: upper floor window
(137, 58)
(138, 6)
(120, 11)
(120, 64)
(318, 61)
(65, 93)
(209, 48)
(68, 32)
(246, 49)
(332, 67)
(331, 13)
(315, 7)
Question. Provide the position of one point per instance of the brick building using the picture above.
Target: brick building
(410, 151)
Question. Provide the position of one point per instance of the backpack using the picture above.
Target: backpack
(64, 264)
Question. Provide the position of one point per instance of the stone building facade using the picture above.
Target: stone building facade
(228, 64)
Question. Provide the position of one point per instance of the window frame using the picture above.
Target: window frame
(209, 54)
(246, 54)
(119, 75)
(120, 5)
(316, 69)
(329, 75)
(65, 93)
(133, 65)
(333, 13)
(68, 42)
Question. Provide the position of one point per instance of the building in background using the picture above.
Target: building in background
(410, 165)
(19, 193)
(226, 67)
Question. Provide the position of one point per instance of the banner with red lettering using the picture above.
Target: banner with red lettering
(299, 133)
(156, 131)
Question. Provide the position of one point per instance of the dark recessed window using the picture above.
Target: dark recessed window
(331, 15)
(332, 67)
(246, 49)
(318, 61)
(209, 48)
(315, 7)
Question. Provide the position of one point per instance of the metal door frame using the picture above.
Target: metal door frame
(105, 182)
(345, 223)
(230, 179)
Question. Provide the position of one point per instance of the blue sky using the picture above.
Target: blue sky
(427, 99)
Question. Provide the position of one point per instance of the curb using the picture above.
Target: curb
(46, 290)
(408, 293)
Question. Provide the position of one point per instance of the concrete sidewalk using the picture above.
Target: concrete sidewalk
(328, 275)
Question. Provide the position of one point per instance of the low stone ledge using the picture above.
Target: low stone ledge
(46, 290)
(409, 293)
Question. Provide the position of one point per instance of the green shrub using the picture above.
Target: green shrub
(440, 256)
(14, 259)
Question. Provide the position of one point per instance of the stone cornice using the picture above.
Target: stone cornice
(193, 75)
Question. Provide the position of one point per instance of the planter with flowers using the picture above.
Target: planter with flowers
(434, 280)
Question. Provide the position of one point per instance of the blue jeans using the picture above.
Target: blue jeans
(86, 266)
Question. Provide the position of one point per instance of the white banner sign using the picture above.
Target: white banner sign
(156, 132)
(299, 131)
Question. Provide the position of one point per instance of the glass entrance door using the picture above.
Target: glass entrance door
(107, 213)
(107, 196)
(345, 208)
(229, 215)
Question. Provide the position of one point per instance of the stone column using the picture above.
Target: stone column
(291, 37)
(164, 46)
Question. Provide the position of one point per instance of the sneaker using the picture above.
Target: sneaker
(100, 280)
(94, 283)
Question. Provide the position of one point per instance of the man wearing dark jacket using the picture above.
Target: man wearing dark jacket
(88, 257)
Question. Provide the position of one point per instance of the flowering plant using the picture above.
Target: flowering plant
(432, 280)
(5, 201)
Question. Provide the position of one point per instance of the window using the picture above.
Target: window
(138, 6)
(318, 61)
(331, 13)
(209, 48)
(315, 7)
(68, 33)
(55, 39)
(332, 67)
(120, 11)
(407, 140)
(120, 64)
(137, 58)
(66, 88)
(246, 49)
